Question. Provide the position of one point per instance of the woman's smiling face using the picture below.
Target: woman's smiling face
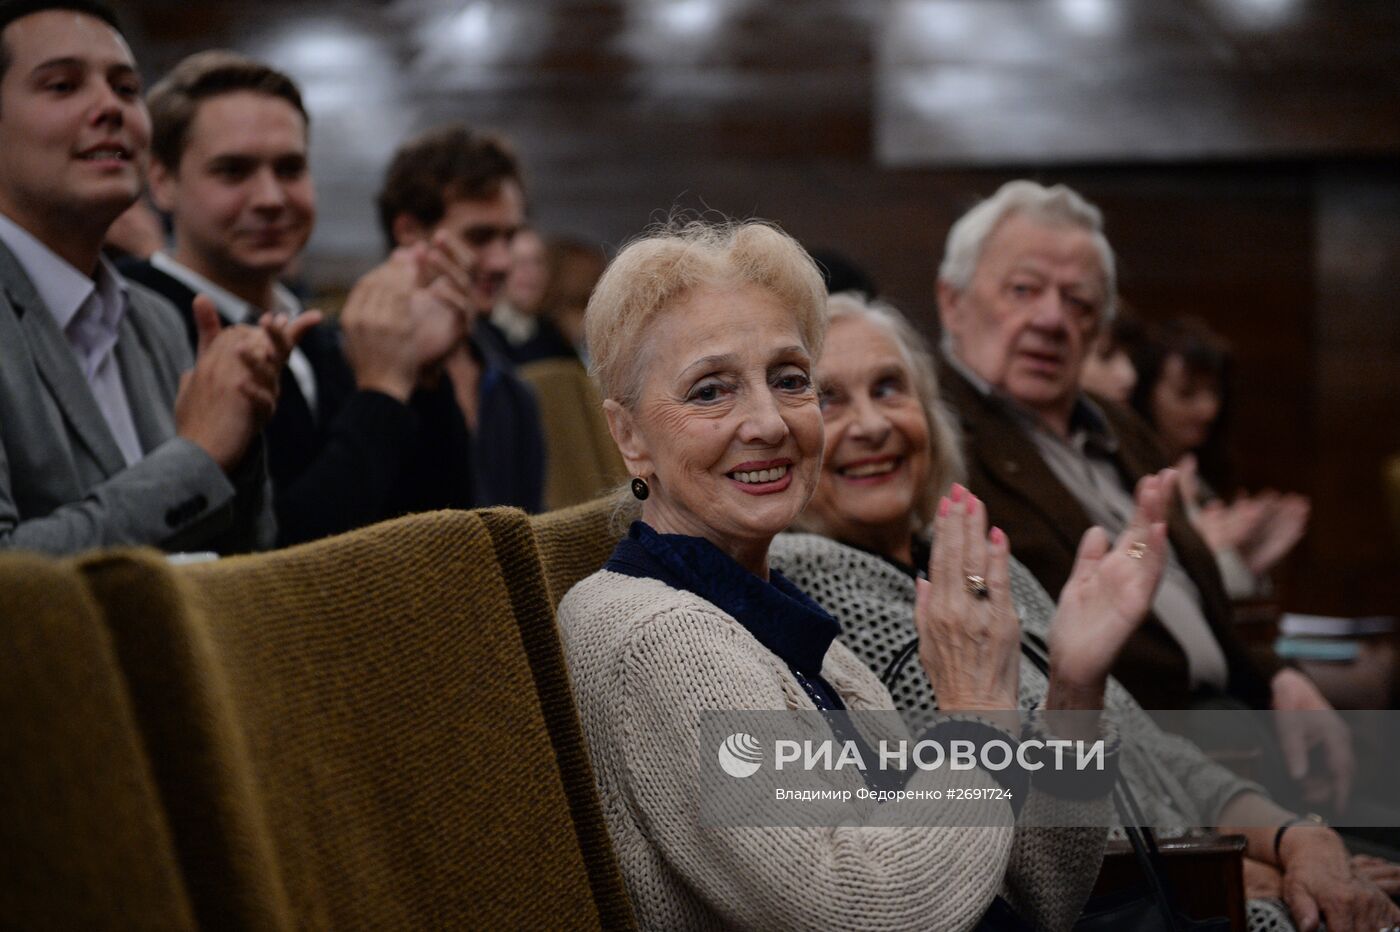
(726, 428)
(877, 458)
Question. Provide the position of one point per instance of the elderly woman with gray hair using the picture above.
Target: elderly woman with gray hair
(890, 448)
(703, 340)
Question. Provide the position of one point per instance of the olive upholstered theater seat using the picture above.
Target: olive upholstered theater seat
(575, 543)
(582, 460)
(84, 842)
(370, 731)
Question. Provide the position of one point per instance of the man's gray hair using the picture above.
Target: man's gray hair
(1059, 205)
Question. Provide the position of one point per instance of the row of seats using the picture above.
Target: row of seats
(370, 731)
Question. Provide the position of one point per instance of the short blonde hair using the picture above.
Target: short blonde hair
(944, 438)
(662, 266)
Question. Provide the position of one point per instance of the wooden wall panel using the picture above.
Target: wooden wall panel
(1353, 558)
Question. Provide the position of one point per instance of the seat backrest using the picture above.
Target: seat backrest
(575, 543)
(583, 461)
(350, 733)
(84, 843)
(518, 554)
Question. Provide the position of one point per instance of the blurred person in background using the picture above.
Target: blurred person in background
(518, 320)
(137, 234)
(230, 167)
(1108, 368)
(1026, 282)
(1185, 369)
(891, 448)
(481, 442)
(574, 267)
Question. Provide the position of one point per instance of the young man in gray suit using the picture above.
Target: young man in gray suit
(111, 432)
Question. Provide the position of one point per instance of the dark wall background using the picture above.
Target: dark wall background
(1245, 154)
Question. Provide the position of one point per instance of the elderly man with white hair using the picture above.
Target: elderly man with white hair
(1026, 283)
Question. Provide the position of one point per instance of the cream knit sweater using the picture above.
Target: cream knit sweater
(646, 659)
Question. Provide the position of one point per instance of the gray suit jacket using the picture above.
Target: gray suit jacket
(64, 484)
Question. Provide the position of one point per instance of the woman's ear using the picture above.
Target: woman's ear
(628, 438)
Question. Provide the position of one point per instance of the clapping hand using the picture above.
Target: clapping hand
(232, 390)
(1281, 525)
(1261, 528)
(1107, 596)
(404, 316)
(969, 635)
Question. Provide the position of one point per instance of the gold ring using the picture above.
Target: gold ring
(977, 587)
(1137, 548)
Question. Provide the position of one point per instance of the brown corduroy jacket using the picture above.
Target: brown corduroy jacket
(1045, 523)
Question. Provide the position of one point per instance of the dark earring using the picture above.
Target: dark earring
(640, 488)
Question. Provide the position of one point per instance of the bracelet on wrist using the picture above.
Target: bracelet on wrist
(1311, 818)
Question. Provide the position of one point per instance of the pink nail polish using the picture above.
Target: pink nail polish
(957, 492)
(943, 506)
(998, 536)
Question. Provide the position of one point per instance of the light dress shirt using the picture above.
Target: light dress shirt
(235, 310)
(89, 310)
(1084, 463)
(516, 326)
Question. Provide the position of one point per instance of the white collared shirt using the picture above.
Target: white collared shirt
(517, 327)
(235, 310)
(89, 311)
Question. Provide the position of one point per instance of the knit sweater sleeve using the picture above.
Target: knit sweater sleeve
(867, 873)
(1052, 870)
(1207, 785)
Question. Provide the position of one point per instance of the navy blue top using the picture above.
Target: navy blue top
(780, 616)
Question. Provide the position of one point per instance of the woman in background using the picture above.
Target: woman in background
(1108, 369)
(1182, 391)
(890, 449)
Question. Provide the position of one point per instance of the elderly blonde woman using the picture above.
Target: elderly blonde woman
(703, 340)
(890, 447)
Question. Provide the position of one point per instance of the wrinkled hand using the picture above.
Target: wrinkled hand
(1261, 881)
(968, 646)
(1320, 884)
(1384, 874)
(1313, 723)
(1108, 595)
(1281, 523)
(405, 316)
(1264, 881)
